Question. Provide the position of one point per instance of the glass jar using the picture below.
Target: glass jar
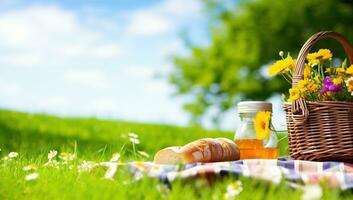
(245, 137)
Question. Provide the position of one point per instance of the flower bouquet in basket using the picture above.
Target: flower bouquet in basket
(319, 107)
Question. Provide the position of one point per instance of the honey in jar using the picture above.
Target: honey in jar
(245, 137)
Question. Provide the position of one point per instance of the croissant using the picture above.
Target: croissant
(202, 150)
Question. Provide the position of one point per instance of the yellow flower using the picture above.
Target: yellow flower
(302, 85)
(337, 81)
(262, 125)
(340, 70)
(350, 70)
(319, 57)
(282, 65)
(307, 71)
(312, 86)
(316, 78)
(349, 84)
(294, 94)
(328, 70)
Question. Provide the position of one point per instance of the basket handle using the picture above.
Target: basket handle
(299, 109)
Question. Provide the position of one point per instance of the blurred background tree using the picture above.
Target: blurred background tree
(245, 37)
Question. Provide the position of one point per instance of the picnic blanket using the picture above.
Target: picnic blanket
(335, 174)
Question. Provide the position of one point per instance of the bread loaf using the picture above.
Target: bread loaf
(203, 150)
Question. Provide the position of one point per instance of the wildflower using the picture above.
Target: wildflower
(233, 190)
(281, 53)
(319, 57)
(29, 167)
(67, 157)
(312, 86)
(340, 70)
(316, 78)
(337, 81)
(52, 154)
(282, 65)
(32, 176)
(307, 71)
(329, 86)
(139, 164)
(294, 94)
(115, 157)
(302, 85)
(86, 166)
(144, 154)
(328, 70)
(13, 155)
(349, 84)
(133, 135)
(311, 192)
(134, 140)
(112, 167)
(262, 125)
(350, 70)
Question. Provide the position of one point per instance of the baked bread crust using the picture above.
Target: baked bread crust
(202, 150)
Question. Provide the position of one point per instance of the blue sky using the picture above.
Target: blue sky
(108, 59)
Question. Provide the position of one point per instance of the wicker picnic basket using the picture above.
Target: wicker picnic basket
(322, 130)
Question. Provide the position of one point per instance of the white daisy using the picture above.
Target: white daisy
(133, 135)
(112, 167)
(311, 192)
(67, 157)
(52, 154)
(135, 140)
(86, 166)
(233, 190)
(115, 157)
(32, 176)
(13, 155)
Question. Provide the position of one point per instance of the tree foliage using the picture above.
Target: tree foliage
(247, 36)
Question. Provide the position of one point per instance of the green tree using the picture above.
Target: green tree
(247, 36)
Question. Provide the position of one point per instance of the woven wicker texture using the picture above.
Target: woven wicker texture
(320, 131)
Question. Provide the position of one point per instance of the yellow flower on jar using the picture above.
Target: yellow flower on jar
(262, 125)
(280, 66)
(294, 94)
(350, 70)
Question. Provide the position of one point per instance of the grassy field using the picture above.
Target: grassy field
(33, 136)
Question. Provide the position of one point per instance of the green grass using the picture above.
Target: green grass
(32, 136)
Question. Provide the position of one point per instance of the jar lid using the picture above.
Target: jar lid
(254, 106)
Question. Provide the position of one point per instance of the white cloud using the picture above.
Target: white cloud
(101, 105)
(10, 88)
(88, 78)
(182, 8)
(55, 101)
(162, 18)
(158, 87)
(45, 35)
(145, 23)
(140, 72)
